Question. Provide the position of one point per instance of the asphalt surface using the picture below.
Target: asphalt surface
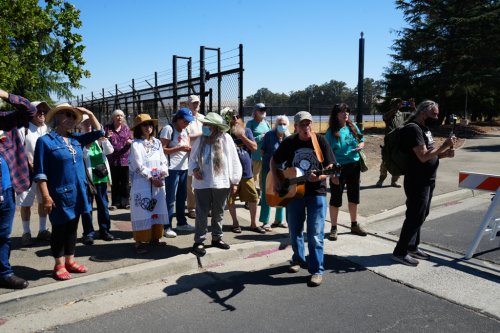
(351, 299)
(115, 268)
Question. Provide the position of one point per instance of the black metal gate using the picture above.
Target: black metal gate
(219, 83)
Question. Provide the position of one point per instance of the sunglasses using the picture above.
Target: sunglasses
(147, 125)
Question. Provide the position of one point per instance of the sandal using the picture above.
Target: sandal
(279, 224)
(267, 227)
(75, 268)
(236, 230)
(258, 230)
(140, 249)
(61, 276)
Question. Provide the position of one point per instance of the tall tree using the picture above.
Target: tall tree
(40, 54)
(450, 52)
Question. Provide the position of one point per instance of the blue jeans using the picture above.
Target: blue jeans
(176, 188)
(101, 199)
(315, 208)
(7, 211)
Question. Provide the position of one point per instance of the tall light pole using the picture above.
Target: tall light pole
(359, 115)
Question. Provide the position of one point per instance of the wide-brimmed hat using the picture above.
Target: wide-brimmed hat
(142, 118)
(215, 119)
(64, 107)
(41, 106)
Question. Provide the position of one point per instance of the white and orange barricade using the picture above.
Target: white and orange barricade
(490, 225)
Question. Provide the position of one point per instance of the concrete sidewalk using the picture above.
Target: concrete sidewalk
(115, 266)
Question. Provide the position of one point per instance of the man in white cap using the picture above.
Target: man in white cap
(308, 152)
(29, 135)
(194, 131)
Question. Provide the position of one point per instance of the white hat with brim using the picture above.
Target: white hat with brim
(215, 119)
(64, 107)
(142, 118)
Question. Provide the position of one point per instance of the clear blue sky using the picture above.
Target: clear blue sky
(288, 44)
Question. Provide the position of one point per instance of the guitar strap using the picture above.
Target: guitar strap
(317, 149)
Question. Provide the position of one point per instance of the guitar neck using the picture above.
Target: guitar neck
(303, 179)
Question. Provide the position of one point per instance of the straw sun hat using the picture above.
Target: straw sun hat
(64, 107)
(142, 118)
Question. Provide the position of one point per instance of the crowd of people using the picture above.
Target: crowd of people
(196, 166)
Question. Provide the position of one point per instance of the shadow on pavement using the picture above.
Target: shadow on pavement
(230, 284)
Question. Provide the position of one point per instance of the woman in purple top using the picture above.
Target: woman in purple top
(118, 133)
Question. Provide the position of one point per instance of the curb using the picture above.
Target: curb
(63, 292)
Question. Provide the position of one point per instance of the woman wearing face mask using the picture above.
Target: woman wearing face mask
(216, 171)
(271, 142)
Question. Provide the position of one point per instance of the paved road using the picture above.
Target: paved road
(352, 299)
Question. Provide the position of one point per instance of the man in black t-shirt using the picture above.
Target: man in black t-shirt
(420, 179)
(298, 151)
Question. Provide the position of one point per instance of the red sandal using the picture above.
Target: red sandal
(75, 268)
(61, 276)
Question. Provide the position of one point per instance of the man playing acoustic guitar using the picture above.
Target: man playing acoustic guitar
(309, 154)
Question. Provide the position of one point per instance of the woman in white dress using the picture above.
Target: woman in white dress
(148, 169)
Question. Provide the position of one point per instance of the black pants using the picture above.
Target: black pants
(63, 239)
(349, 177)
(418, 202)
(120, 186)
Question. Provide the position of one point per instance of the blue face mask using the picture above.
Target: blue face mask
(206, 131)
(281, 128)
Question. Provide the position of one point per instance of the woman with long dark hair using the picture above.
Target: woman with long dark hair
(346, 141)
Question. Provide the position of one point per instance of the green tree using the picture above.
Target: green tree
(264, 95)
(40, 54)
(450, 52)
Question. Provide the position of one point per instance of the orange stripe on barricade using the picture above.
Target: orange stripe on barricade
(479, 181)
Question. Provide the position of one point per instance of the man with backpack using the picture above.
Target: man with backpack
(393, 119)
(420, 178)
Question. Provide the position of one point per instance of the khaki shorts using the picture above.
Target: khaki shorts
(246, 191)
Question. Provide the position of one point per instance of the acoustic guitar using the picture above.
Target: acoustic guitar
(293, 184)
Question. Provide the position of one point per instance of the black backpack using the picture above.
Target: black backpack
(394, 157)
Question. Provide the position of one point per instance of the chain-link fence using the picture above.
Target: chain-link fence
(218, 82)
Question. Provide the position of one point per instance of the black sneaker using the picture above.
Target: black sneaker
(220, 244)
(88, 240)
(198, 249)
(106, 236)
(419, 254)
(405, 260)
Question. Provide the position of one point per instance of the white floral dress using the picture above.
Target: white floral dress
(147, 202)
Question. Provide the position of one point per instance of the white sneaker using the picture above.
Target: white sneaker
(169, 233)
(185, 227)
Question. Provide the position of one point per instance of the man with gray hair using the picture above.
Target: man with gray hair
(420, 178)
(308, 153)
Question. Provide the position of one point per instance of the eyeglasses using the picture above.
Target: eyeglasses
(70, 114)
(305, 125)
